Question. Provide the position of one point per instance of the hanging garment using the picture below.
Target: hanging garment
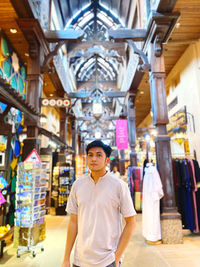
(152, 193)
(189, 207)
(194, 190)
(185, 192)
(135, 185)
(138, 201)
(197, 178)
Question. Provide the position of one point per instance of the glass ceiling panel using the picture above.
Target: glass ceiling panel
(95, 28)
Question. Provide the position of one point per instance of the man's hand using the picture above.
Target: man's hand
(65, 264)
(71, 236)
(117, 259)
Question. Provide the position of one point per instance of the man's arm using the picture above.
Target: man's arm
(125, 238)
(72, 230)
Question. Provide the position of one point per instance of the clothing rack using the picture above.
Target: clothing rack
(183, 155)
(186, 175)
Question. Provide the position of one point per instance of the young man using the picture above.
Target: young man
(115, 171)
(95, 204)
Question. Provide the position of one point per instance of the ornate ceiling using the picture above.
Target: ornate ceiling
(96, 64)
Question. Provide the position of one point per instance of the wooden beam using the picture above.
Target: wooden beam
(166, 5)
(22, 8)
(181, 42)
(87, 94)
(120, 35)
(34, 34)
(119, 47)
(89, 84)
(106, 104)
(104, 118)
(69, 35)
(115, 94)
(159, 29)
(13, 100)
(91, 139)
(92, 131)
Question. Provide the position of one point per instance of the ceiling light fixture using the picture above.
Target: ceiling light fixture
(97, 135)
(13, 30)
(97, 107)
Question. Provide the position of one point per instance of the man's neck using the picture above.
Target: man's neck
(96, 175)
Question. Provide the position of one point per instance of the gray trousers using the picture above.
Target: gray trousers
(110, 265)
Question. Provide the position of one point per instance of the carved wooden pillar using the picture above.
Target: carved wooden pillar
(122, 162)
(34, 90)
(171, 221)
(74, 143)
(82, 146)
(63, 136)
(63, 127)
(132, 130)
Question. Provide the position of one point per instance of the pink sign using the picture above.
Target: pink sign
(2, 199)
(121, 134)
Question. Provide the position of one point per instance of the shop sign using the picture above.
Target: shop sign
(33, 157)
(56, 102)
(177, 121)
(121, 134)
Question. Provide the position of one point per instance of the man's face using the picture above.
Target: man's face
(115, 169)
(96, 159)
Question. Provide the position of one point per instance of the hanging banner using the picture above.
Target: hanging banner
(121, 134)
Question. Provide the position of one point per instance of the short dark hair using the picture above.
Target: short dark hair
(98, 143)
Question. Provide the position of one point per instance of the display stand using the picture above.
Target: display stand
(30, 203)
(46, 158)
(62, 182)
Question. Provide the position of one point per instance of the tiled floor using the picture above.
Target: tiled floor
(138, 253)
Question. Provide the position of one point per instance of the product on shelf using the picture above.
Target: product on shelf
(4, 230)
(62, 182)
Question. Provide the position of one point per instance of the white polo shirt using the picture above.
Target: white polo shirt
(100, 208)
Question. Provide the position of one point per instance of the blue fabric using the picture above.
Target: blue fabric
(189, 209)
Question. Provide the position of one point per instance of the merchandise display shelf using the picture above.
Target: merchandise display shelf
(30, 202)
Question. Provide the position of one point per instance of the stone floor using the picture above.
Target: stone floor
(138, 253)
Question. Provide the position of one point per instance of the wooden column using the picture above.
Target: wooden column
(63, 136)
(74, 143)
(34, 90)
(63, 127)
(132, 130)
(171, 220)
(82, 146)
(122, 162)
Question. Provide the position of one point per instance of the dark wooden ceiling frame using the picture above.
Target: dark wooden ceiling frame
(92, 131)
(55, 139)
(35, 36)
(80, 95)
(11, 97)
(103, 118)
(135, 72)
(159, 29)
(60, 37)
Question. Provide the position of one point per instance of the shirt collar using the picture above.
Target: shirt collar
(100, 178)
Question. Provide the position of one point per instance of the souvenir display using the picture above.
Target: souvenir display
(30, 202)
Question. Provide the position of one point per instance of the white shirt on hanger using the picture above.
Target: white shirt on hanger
(152, 193)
